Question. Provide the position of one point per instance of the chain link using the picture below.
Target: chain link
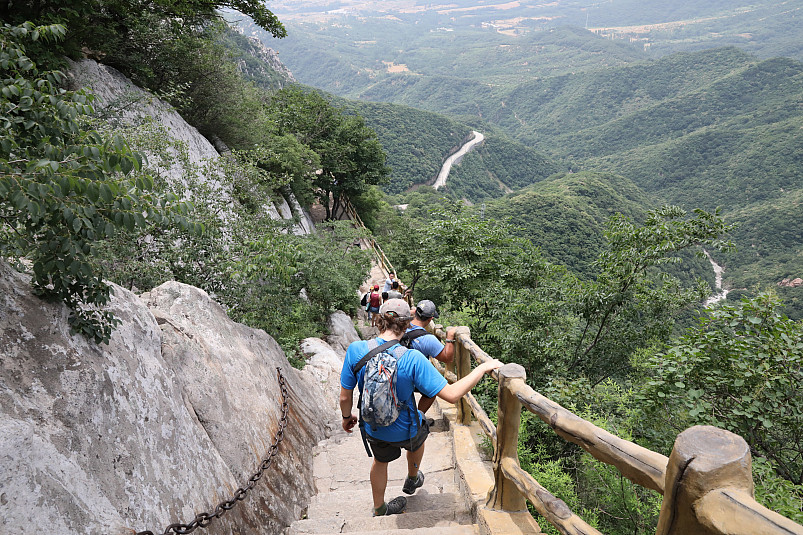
(204, 519)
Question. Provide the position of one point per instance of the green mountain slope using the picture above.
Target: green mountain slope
(751, 94)
(541, 110)
(715, 128)
(416, 142)
(769, 242)
(565, 214)
(497, 167)
(385, 60)
(731, 166)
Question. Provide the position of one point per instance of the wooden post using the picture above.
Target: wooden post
(704, 459)
(505, 495)
(462, 363)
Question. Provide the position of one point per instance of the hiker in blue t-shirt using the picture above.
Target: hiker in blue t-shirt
(410, 429)
(428, 344)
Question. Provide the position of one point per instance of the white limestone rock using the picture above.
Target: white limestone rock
(165, 421)
(131, 105)
(341, 332)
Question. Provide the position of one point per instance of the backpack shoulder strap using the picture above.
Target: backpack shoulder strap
(409, 336)
(374, 348)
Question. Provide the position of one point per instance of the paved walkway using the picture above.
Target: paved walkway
(343, 503)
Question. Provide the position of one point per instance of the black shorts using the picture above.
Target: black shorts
(385, 452)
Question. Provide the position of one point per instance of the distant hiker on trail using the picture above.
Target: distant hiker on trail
(394, 292)
(388, 360)
(374, 302)
(417, 337)
(389, 282)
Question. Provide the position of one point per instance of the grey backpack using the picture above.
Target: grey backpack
(379, 404)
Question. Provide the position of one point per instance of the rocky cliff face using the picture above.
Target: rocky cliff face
(167, 420)
(269, 58)
(131, 105)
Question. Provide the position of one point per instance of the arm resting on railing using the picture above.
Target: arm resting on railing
(453, 392)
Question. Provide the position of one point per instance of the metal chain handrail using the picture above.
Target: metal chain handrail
(204, 519)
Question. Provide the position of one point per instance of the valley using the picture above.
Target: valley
(689, 102)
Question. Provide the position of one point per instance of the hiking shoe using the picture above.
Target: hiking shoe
(394, 507)
(411, 484)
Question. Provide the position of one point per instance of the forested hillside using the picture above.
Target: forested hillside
(416, 141)
(565, 215)
(497, 167)
(714, 128)
(580, 272)
(438, 70)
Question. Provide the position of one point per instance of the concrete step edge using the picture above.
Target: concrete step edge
(454, 529)
(360, 506)
(407, 521)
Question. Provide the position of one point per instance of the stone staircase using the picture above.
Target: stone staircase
(343, 503)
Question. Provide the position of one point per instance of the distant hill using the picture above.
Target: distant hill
(497, 167)
(434, 69)
(417, 143)
(710, 127)
(404, 52)
(565, 216)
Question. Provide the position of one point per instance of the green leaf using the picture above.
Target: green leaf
(126, 166)
(106, 192)
(93, 192)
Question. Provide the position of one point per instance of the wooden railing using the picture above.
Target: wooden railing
(706, 482)
(379, 254)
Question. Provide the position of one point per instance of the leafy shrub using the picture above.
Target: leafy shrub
(64, 186)
(775, 492)
(740, 369)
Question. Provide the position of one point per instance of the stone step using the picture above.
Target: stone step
(358, 504)
(454, 529)
(341, 462)
(443, 518)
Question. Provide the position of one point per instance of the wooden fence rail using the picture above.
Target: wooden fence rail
(379, 254)
(706, 482)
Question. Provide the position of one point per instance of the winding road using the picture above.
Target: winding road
(722, 293)
(455, 158)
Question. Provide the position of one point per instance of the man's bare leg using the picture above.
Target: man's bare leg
(413, 462)
(379, 482)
